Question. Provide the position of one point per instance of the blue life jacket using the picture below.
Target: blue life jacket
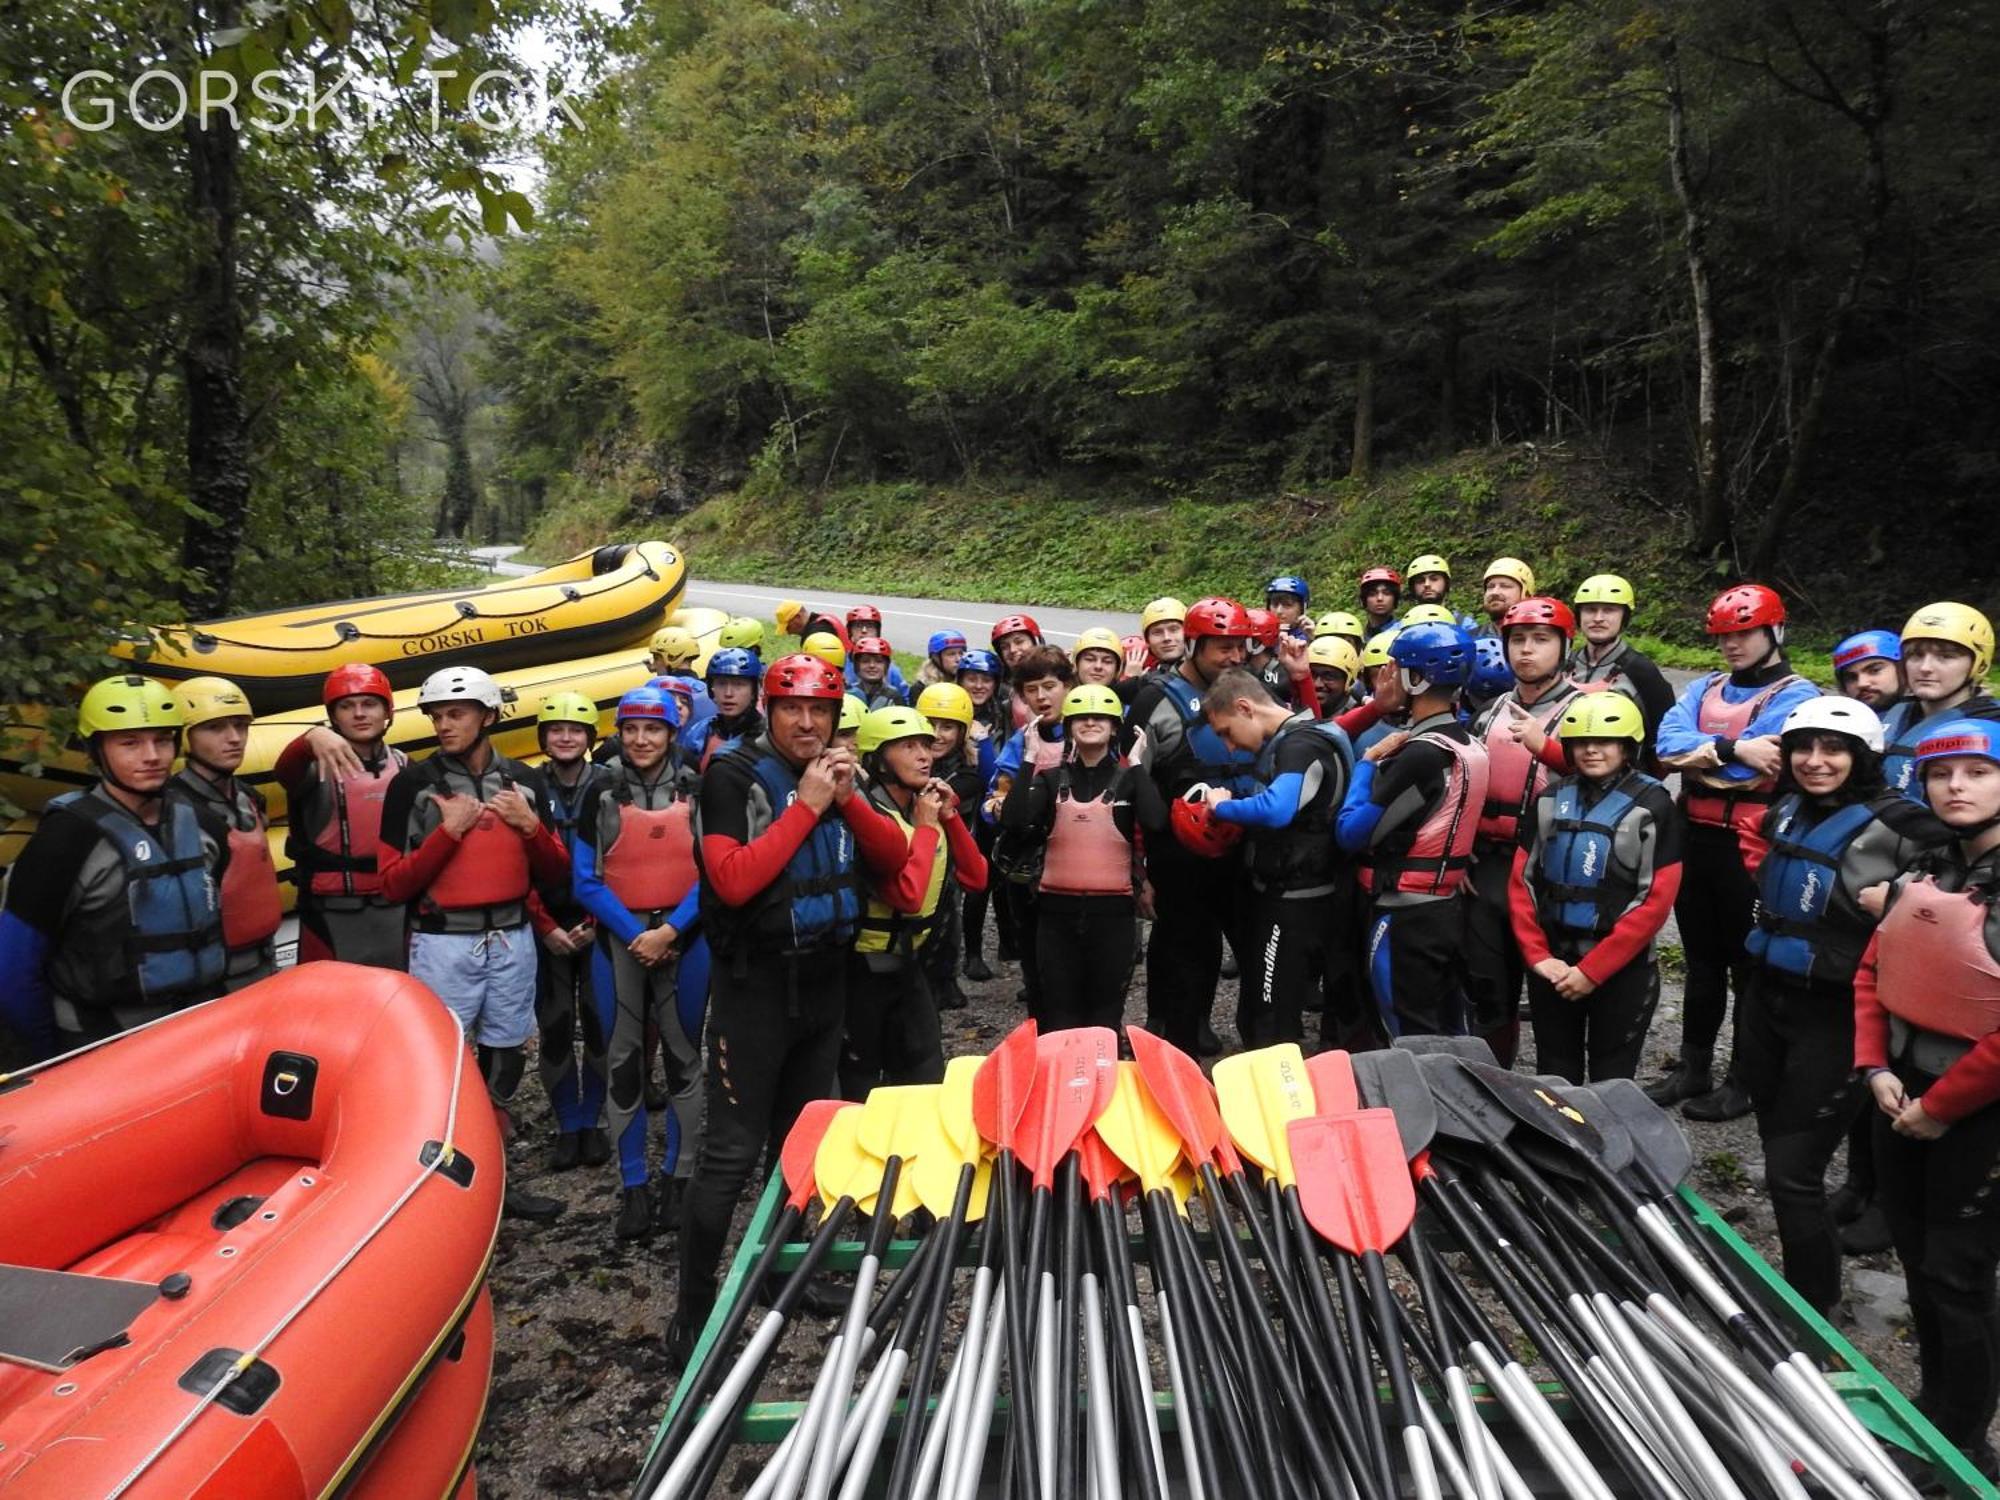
(814, 904)
(1900, 735)
(1214, 762)
(1581, 890)
(1795, 884)
(168, 940)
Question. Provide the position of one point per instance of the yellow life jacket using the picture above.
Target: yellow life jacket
(884, 930)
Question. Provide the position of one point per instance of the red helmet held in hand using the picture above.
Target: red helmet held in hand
(1746, 606)
(803, 676)
(1217, 619)
(356, 679)
(1200, 831)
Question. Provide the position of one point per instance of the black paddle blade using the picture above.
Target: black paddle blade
(1392, 1080)
(1471, 1048)
(1618, 1148)
(1465, 1111)
(1533, 1104)
(1657, 1137)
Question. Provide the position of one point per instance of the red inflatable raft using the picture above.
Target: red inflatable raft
(243, 1252)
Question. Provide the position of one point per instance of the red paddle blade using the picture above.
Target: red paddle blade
(1176, 1083)
(1354, 1184)
(1102, 1170)
(795, 1160)
(1334, 1089)
(1069, 1073)
(1000, 1088)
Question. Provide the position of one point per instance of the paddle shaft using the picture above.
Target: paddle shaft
(1164, 1228)
(1128, 1375)
(916, 1413)
(1367, 1456)
(1014, 1279)
(819, 1477)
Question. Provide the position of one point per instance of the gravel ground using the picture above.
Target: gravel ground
(579, 1384)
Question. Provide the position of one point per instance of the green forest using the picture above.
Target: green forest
(1705, 290)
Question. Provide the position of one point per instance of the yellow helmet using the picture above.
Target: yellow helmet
(1098, 638)
(203, 700)
(1375, 651)
(126, 702)
(740, 632)
(884, 726)
(946, 700)
(1339, 622)
(852, 712)
(1511, 567)
(675, 645)
(1960, 624)
(1429, 614)
(1092, 699)
(826, 646)
(1430, 562)
(567, 708)
(1601, 716)
(1606, 588)
(1335, 653)
(1165, 608)
(789, 615)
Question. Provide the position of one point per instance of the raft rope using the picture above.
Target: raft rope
(446, 1154)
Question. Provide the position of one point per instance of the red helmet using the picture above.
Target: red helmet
(803, 676)
(1133, 643)
(1015, 624)
(1220, 619)
(1198, 829)
(1745, 606)
(864, 612)
(1539, 609)
(354, 680)
(1264, 628)
(873, 645)
(1381, 575)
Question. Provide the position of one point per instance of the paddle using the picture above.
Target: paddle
(1000, 1092)
(1175, 1081)
(795, 1162)
(1355, 1189)
(1101, 1174)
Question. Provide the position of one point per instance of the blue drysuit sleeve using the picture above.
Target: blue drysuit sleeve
(1680, 726)
(1354, 827)
(24, 992)
(1274, 807)
(596, 896)
(684, 916)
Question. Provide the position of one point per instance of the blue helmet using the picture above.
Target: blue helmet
(945, 640)
(735, 661)
(978, 659)
(656, 704)
(1491, 676)
(1442, 655)
(1869, 645)
(1980, 737)
(1289, 583)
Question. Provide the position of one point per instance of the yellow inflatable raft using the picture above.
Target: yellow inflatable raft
(598, 601)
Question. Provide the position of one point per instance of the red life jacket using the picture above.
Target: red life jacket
(1515, 777)
(1038, 753)
(488, 868)
(347, 818)
(1933, 966)
(252, 907)
(650, 865)
(1087, 855)
(1439, 859)
(1741, 807)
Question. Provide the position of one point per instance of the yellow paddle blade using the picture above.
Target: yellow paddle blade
(1261, 1093)
(1184, 1185)
(906, 1201)
(935, 1178)
(889, 1118)
(955, 1107)
(841, 1167)
(1137, 1132)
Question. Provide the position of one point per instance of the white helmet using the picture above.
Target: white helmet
(1831, 715)
(459, 685)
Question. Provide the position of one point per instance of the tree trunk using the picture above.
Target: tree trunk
(218, 446)
(461, 492)
(1713, 524)
(1447, 437)
(1361, 465)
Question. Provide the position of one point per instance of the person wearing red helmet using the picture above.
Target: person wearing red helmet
(336, 778)
(1520, 757)
(1013, 637)
(1723, 736)
(783, 844)
(864, 623)
(1195, 900)
(870, 664)
(1380, 589)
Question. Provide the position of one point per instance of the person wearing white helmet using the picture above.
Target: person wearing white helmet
(1835, 834)
(466, 837)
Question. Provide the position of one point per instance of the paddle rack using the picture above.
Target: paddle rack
(1869, 1393)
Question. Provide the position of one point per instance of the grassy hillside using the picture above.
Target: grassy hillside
(1037, 544)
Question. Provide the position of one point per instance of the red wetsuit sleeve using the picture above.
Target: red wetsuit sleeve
(548, 859)
(1554, 756)
(294, 761)
(737, 871)
(968, 865)
(1359, 719)
(1521, 911)
(538, 915)
(407, 876)
(904, 890)
(1308, 693)
(1871, 1021)
(1968, 1085)
(883, 848)
(1629, 935)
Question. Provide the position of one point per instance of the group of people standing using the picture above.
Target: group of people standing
(1400, 817)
